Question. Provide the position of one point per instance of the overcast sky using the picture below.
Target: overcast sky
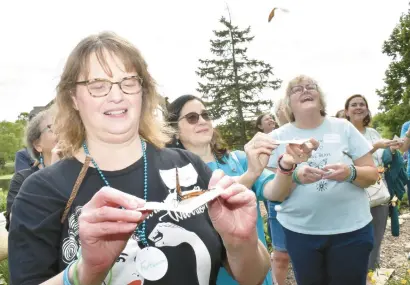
(337, 42)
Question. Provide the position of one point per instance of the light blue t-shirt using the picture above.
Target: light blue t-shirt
(236, 165)
(404, 129)
(326, 207)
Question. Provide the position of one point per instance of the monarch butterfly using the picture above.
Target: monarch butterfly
(272, 13)
(192, 194)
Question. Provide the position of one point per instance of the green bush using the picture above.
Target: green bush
(4, 272)
(4, 184)
(3, 201)
(267, 236)
(7, 169)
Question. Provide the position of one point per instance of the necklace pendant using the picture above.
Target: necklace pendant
(151, 263)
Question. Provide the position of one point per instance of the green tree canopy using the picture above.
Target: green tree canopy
(232, 82)
(395, 95)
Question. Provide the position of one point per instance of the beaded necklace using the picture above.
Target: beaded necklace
(138, 231)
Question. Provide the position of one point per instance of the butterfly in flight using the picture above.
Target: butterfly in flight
(272, 13)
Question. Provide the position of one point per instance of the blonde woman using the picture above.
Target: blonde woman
(115, 161)
(325, 216)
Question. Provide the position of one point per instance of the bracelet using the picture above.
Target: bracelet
(295, 178)
(66, 280)
(75, 275)
(353, 174)
(284, 170)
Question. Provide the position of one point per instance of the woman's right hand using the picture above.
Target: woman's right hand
(384, 143)
(104, 231)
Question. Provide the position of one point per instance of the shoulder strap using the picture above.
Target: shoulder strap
(76, 187)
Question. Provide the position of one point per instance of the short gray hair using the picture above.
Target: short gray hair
(292, 83)
(33, 132)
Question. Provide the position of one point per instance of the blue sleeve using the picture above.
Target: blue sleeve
(404, 129)
(273, 160)
(259, 184)
(357, 143)
(22, 161)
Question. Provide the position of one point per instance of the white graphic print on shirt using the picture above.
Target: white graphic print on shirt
(164, 234)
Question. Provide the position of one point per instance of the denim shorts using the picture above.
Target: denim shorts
(277, 233)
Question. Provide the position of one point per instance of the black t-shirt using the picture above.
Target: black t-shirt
(15, 185)
(41, 247)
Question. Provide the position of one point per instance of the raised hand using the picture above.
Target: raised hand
(258, 150)
(233, 213)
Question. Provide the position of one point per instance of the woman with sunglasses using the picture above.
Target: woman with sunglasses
(82, 221)
(188, 115)
(326, 216)
(40, 141)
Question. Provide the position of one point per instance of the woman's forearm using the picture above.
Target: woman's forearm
(248, 263)
(366, 176)
(279, 188)
(84, 276)
(248, 179)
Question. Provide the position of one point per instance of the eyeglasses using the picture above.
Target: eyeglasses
(101, 87)
(298, 89)
(193, 117)
(48, 128)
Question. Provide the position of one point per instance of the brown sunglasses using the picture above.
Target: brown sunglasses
(193, 117)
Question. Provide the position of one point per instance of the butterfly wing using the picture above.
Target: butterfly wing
(271, 15)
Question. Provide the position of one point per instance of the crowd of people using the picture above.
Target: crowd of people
(75, 209)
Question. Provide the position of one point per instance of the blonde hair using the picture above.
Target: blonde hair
(291, 84)
(68, 123)
(276, 106)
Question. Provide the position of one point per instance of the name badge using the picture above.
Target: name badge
(331, 138)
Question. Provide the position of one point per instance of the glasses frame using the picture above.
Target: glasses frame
(119, 83)
(304, 88)
(199, 115)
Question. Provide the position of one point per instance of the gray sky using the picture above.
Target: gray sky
(336, 42)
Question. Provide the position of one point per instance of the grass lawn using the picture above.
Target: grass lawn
(6, 177)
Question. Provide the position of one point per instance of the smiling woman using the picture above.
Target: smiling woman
(326, 204)
(77, 227)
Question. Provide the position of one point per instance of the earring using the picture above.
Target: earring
(177, 142)
(41, 159)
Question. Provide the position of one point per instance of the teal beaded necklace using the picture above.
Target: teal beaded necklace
(138, 231)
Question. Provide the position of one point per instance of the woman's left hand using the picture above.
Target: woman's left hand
(233, 213)
(338, 172)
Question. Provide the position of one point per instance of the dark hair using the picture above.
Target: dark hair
(368, 118)
(172, 116)
(259, 121)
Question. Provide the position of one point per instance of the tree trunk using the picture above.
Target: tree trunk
(238, 104)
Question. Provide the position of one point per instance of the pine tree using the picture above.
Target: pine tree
(233, 82)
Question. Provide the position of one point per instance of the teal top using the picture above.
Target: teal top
(235, 165)
(404, 129)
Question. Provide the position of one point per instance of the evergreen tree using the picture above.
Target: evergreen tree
(232, 82)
